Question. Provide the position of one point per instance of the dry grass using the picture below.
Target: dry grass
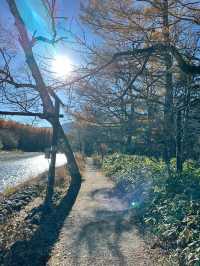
(9, 191)
(80, 159)
(62, 177)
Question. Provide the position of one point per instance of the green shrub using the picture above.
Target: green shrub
(172, 209)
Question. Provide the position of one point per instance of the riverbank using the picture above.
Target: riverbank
(22, 214)
(19, 216)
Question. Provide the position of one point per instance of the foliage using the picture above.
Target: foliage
(137, 97)
(14, 135)
(8, 139)
(173, 207)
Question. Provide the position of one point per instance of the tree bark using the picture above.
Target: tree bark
(130, 129)
(168, 108)
(52, 168)
(179, 162)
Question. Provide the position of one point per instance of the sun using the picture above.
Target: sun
(62, 66)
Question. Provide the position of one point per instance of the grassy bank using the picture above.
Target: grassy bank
(169, 206)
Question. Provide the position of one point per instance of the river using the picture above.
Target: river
(15, 168)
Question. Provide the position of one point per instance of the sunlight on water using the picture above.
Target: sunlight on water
(15, 171)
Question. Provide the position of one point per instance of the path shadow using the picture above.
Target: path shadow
(101, 235)
(119, 200)
(36, 250)
(101, 238)
(126, 191)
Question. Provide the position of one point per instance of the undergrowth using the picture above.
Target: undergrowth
(172, 207)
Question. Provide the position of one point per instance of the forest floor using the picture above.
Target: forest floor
(101, 229)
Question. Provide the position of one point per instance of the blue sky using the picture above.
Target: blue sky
(36, 19)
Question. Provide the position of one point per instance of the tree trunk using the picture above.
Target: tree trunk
(179, 163)
(71, 162)
(130, 124)
(52, 168)
(46, 99)
(150, 118)
(186, 145)
(168, 108)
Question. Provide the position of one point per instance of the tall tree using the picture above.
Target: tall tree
(48, 106)
(155, 30)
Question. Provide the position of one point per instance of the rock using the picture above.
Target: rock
(8, 207)
(16, 201)
(16, 206)
(8, 202)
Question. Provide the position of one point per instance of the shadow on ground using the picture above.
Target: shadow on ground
(101, 238)
(111, 236)
(36, 250)
(102, 235)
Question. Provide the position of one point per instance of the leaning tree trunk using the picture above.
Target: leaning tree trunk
(46, 100)
(72, 165)
(52, 168)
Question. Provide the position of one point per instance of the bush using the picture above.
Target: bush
(172, 208)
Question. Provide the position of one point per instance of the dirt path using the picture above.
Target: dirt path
(99, 230)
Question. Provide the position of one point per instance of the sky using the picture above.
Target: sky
(36, 20)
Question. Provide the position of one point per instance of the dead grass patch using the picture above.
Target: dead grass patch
(80, 159)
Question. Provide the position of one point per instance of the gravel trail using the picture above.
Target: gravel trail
(100, 229)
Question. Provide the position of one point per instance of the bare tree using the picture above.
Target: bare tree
(41, 90)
